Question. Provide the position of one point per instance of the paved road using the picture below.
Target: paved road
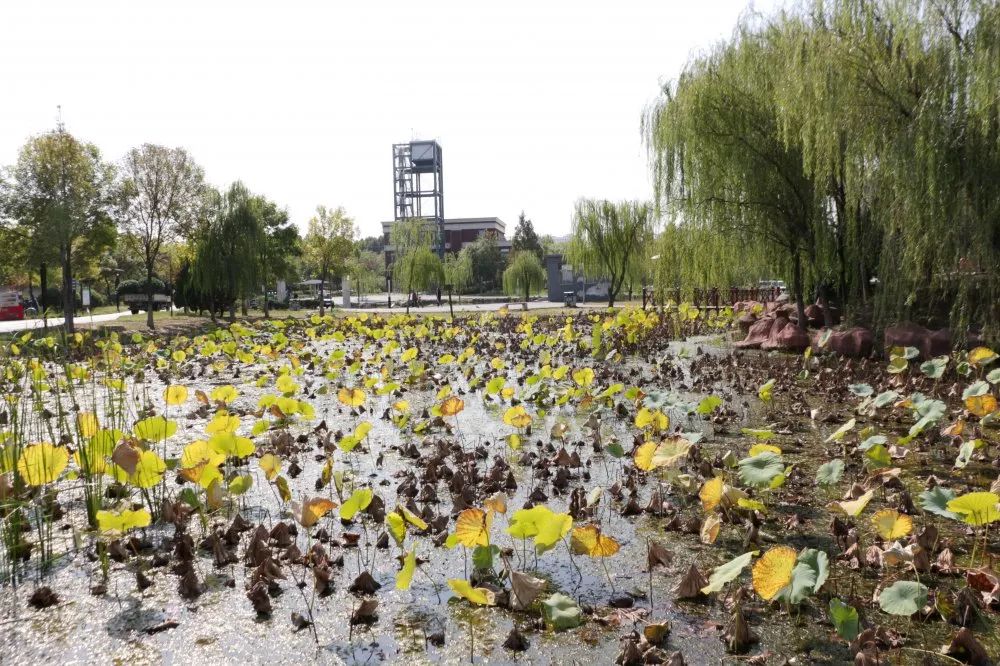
(26, 324)
(478, 307)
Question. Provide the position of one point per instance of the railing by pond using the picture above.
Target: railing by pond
(714, 297)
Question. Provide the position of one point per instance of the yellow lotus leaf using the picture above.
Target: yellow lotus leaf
(119, 523)
(773, 572)
(408, 355)
(271, 465)
(148, 471)
(643, 456)
(497, 503)
(223, 422)
(42, 463)
(854, 507)
(175, 394)
(240, 484)
(981, 405)
(761, 448)
(650, 456)
(309, 512)
(477, 595)
(401, 406)
(155, 429)
(87, 422)
(588, 540)
(711, 493)
(405, 576)
(397, 527)
(710, 528)
(540, 522)
(214, 495)
(362, 430)
(204, 474)
(358, 501)
(351, 397)
(232, 445)
(91, 458)
(225, 394)
(651, 418)
(412, 518)
(517, 417)
(472, 528)
(982, 356)
(978, 508)
(286, 385)
(583, 377)
(452, 406)
(891, 524)
(198, 452)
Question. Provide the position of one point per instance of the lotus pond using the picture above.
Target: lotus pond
(606, 487)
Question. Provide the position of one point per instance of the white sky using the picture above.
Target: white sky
(534, 103)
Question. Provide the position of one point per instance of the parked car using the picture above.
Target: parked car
(11, 307)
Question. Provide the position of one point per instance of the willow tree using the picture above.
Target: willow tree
(609, 240)
(720, 160)
(227, 261)
(415, 265)
(690, 256)
(457, 269)
(524, 275)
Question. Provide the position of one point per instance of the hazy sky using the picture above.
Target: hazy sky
(535, 103)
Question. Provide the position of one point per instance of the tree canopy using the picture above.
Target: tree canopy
(59, 193)
(328, 245)
(525, 238)
(609, 240)
(857, 144)
(524, 275)
(415, 265)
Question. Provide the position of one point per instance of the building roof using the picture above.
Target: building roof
(464, 222)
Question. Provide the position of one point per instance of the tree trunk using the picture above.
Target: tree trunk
(68, 295)
(450, 308)
(800, 307)
(322, 283)
(150, 324)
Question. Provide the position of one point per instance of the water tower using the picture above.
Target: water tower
(418, 184)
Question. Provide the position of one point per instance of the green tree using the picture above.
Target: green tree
(60, 193)
(525, 238)
(227, 260)
(160, 195)
(415, 264)
(487, 262)
(280, 245)
(608, 240)
(524, 275)
(328, 245)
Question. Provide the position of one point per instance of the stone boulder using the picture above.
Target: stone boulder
(855, 342)
(786, 336)
(930, 343)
